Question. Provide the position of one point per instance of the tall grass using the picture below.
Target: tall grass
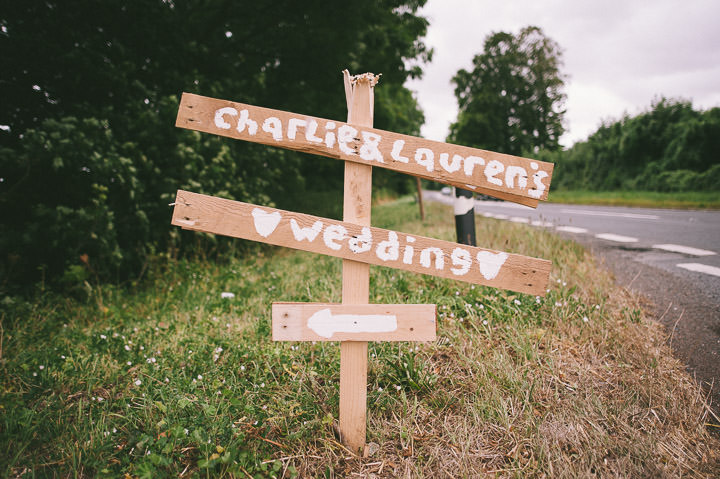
(174, 378)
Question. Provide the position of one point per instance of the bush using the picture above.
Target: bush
(82, 200)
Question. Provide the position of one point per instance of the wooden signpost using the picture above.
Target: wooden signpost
(355, 322)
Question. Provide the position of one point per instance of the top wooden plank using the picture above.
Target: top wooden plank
(507, 177)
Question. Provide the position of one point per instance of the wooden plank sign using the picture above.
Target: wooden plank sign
(361, 243)
(357, 322)
(508, 177)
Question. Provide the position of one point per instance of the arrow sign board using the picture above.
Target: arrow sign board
(356, 322)
(508, 177)
(361, 243)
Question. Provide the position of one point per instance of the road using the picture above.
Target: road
(672, 257)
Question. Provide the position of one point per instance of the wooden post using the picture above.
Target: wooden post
(356, 276)
(419, 190)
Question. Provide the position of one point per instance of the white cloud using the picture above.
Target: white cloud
(619, 55)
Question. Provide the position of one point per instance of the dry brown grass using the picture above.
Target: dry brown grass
(545, 395)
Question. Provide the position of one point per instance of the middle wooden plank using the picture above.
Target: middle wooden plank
(361, 243)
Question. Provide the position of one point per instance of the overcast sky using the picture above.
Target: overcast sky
(619, 54)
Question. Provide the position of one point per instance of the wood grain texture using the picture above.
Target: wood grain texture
(302, 321)
(518, 177)
(357, 202)
(519, 273)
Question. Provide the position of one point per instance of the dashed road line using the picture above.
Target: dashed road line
(616, 238)
(675, 248)
(519, 219)
(636, 216)
(571, 229)
(700, 268)
(545, 224)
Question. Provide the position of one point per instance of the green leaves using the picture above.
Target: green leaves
(92, 157)
(512, 100)
(669, 148)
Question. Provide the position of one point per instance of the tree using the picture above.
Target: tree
(669, 147)
(512, 100)
(89, 154)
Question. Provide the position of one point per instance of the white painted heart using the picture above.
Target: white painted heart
(265, 223)
(490, 263)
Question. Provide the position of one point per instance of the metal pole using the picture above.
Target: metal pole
(465, 217)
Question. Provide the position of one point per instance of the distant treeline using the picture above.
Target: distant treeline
(670, 148)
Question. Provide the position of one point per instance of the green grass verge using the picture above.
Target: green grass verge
(172, 379)
(644, 199)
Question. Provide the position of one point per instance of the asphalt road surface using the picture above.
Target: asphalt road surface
(672, 257)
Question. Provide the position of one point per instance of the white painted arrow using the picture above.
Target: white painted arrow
(325, 324)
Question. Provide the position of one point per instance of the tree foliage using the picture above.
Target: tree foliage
(670, 147)
(89, 154)
(512, 100)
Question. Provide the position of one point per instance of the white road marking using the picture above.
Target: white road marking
(504, 204)
(488, 215)
(675, 248)
(518, 219)
(501, 217)
(546, 224)
(609, 213)
(700, 268)
(571, 229)
(617, 238)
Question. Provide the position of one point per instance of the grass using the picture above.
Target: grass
(645, 199)
(171, 379)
